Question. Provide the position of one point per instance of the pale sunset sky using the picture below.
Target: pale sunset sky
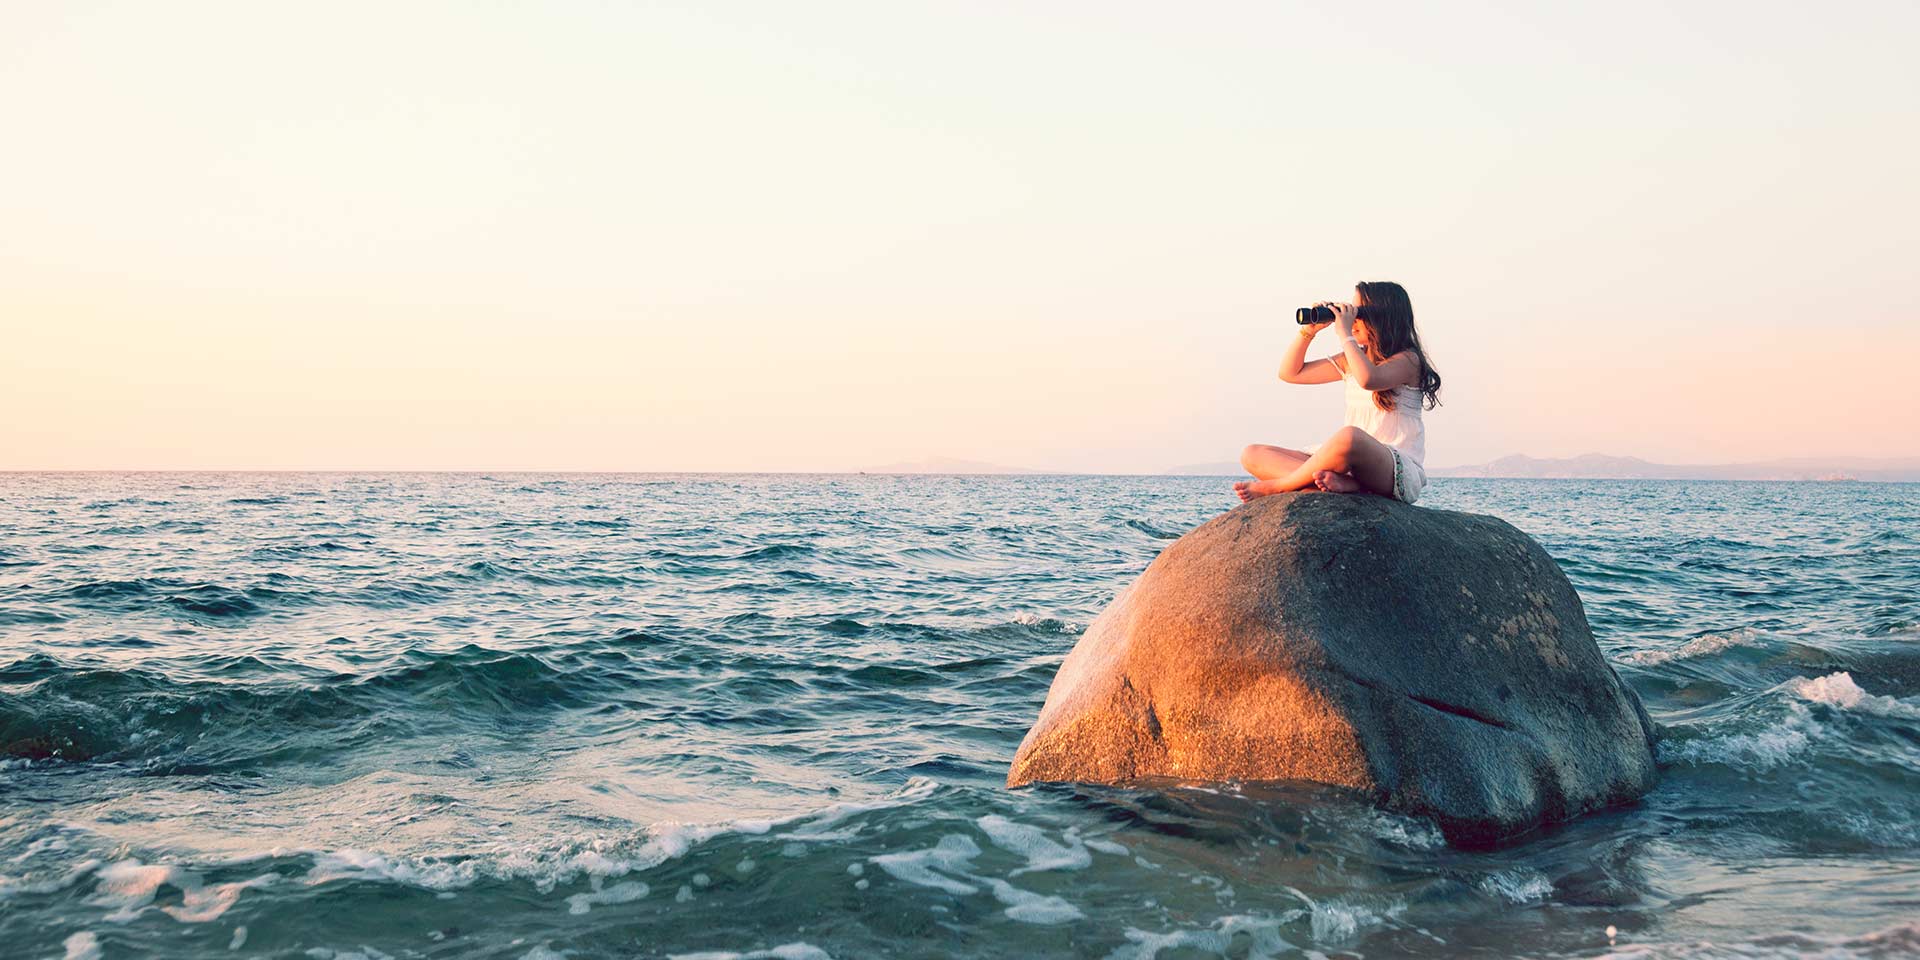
(825, 235)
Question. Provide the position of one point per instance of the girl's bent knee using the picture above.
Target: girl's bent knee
(1345, 438)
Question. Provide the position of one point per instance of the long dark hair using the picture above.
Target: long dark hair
(1390, 320)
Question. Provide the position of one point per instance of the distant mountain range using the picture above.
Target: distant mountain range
(1600, 466)
(1587, 466)
(1597, 466)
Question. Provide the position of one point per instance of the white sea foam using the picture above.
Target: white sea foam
(1341, 920)
(1797, 729)
(814, 825)
(55, 843)
(785, 951)
(929, 868)
(364, 865)
(17, 886)
(82, 946)
(1414, 833)
(1839, 690)
(128, 889)
(1337, 922)
(202, 904)
(948, 866)
(1029, 907)
(1262, 934)
(1761, 749)
(548, 865)
(1146, 945)
(1702, 646)
(1518, 885)
(1026, 619)
(1032, 843)
(1883, 826)
(625, 892)
(364, 953)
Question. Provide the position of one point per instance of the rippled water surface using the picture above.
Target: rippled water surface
(582, 716)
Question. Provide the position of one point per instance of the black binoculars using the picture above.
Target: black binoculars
(1306, 315)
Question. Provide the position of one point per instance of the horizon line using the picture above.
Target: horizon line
(1011, 475)
(1002, 469)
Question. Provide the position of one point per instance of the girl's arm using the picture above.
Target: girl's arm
(1398, 370)
(1292, 370)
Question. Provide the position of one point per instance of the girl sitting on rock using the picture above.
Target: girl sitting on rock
(1382, 448)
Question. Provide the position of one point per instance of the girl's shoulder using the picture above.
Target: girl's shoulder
(1413, 360)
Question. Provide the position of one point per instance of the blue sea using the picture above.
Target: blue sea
(542, 716)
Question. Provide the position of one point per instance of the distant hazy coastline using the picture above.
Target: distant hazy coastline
(1596, 466)
(1588, 466)
(1599, 466)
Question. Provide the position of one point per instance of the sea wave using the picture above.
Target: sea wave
(1838, 690)
(1795, 728)
(1706, 645)
(594, 716)
(53, 710)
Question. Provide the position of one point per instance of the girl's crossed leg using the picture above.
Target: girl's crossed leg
(1263, 460)
(1351, 461)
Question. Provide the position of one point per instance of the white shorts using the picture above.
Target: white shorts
(1409, 477)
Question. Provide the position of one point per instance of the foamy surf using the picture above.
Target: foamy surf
(1706, 645)
(1797, 729)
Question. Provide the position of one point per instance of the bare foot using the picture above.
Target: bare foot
(1334, 482)
(1254, 489)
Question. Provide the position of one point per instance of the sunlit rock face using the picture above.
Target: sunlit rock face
(1437, 661)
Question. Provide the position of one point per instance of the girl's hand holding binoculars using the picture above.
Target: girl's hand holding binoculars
(1343, 315)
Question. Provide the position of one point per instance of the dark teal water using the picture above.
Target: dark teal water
(581, 716)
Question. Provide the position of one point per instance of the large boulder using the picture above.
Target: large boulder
(1439, 662)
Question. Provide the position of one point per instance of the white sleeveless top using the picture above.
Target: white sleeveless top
(1400, 428)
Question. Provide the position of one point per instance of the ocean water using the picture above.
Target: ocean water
(532, 716)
